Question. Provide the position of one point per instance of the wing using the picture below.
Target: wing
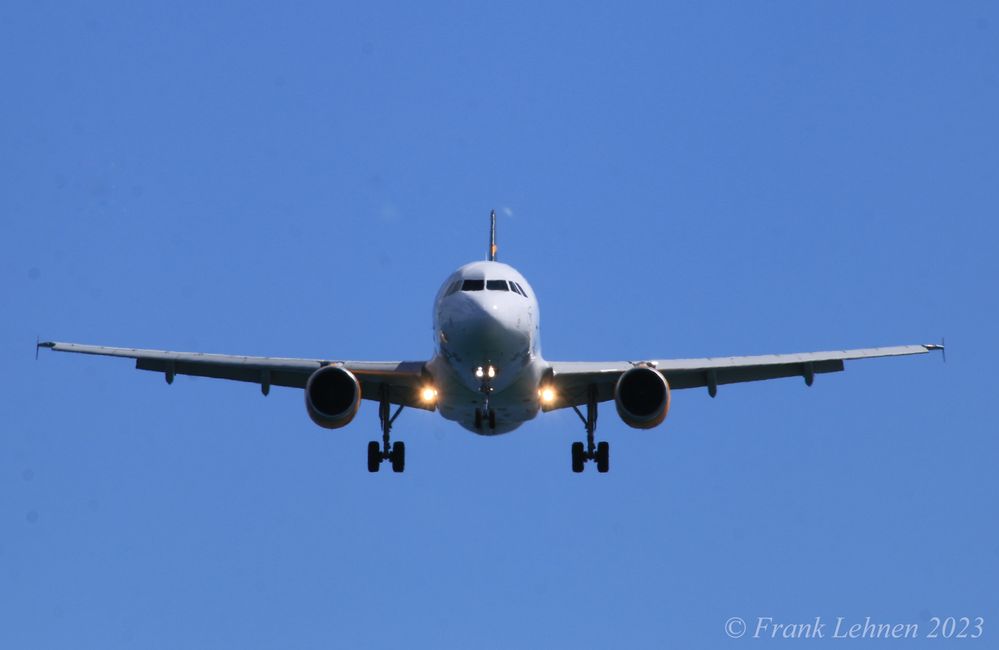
(403, 378)
(571, 379)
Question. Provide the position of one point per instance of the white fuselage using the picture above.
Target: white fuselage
(483, 321)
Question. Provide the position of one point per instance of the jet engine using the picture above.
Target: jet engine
(332, 397)
(642, 397)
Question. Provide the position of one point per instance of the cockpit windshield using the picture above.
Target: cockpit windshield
(480, 285)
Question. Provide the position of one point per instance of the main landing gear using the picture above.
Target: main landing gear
(596, 452)
(395, 453)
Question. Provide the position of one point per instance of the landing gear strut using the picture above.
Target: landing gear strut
(395, 453)
(596, 452)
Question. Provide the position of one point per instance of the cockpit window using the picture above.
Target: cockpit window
(497, 285)
(513, 287)
(519, 288)
(454, 287)
(473, 285)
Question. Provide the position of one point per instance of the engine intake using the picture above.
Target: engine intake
(332, 397)
(642, 397)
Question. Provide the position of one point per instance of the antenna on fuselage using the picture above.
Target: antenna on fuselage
(492, 236)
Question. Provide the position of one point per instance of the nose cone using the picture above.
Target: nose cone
(488, 330)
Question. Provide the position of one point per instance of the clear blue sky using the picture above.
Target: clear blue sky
(296, 179)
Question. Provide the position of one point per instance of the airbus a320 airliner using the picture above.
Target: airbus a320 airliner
(487, 373)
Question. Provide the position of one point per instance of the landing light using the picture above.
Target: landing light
(492, 372)
(478, 372)
(547, 395)
(428, 394)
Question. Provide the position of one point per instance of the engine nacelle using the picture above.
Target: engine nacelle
(332, 397)
(642, 397)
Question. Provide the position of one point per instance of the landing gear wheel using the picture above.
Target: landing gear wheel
(374, 456)
(578, 457)
(492, 419)
(398, 456)
(602, 457)
(478, 418)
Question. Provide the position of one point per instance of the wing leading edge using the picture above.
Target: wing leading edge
(403, 378)
(571, 379)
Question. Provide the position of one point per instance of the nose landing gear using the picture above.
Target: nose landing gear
(595, 452)
(394, 453)
(485, 414)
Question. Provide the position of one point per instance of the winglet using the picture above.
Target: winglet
(42, 344)
(492, 236)
(938, 346)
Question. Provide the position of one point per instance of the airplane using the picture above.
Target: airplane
(487, 372)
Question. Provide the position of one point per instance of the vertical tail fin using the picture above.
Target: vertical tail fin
(492, 236)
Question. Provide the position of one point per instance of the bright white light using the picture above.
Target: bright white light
(547, 395)
(478, 372)
(428, 394)
(492, 372)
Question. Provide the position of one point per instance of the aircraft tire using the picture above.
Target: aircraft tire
(374, 456)
(603, 457)
(398, 456)
(578, 457)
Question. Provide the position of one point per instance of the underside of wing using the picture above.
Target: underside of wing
(571, 380)
(402, 379)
